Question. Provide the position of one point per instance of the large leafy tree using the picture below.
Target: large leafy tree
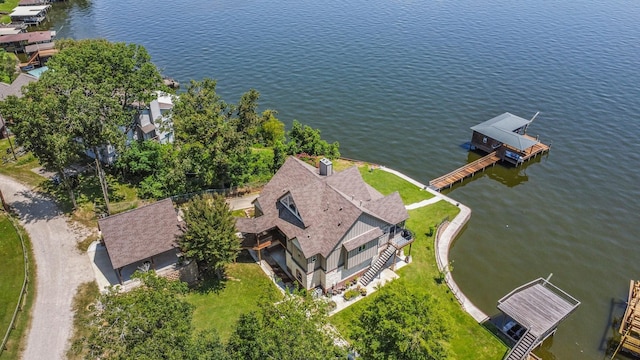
(97, 83)
(210, 237)
(149, 322)
(294, 328)
(399, 324)
(305, 139)
(41, 126)
(214, 152)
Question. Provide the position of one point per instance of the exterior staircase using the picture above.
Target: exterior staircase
(377, 265)
(523, 348)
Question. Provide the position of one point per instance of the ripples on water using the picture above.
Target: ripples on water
(401, 82)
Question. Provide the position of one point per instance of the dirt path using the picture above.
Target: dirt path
(60, 269)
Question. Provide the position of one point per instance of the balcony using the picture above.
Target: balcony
(402, 238)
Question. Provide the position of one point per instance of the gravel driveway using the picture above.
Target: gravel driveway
(60, 269)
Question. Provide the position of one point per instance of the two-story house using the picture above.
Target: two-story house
(334, 226)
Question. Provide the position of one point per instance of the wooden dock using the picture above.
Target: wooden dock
(630, 323)
(481, 164)
(462, 173)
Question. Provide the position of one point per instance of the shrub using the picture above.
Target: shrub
(350, 294)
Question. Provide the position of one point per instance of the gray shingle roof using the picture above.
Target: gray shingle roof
(16, 86)
(501, 128)
(328, 206)
(141, 233)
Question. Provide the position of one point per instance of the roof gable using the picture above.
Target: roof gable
(328, 206)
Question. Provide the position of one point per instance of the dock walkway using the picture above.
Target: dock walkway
(463, 172)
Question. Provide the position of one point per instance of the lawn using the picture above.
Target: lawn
(12, 273)
(7, 6)
(469, 340)
(387, 183)
(20, 169)
(245, 287)
(11, 279)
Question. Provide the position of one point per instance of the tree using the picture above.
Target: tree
(210, 237)
(148, 322)
(8, 63)
(305, 139)
(271, 129)
(210, 145)
(294, 328)
(399, 324)
(97, 84)
(38, 120)
(248, 120)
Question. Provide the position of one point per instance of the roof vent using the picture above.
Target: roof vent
(326, 167)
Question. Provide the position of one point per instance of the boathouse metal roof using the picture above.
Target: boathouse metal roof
(539, 306)
(502, 128)
(29, 10)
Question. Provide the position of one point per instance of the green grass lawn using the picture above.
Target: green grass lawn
(20, 169)
(12, 273)
(387, 183)
(6, 7)
(11, 279)
(245, 287)
(469, 340)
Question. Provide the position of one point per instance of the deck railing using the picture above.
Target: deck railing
(541, 281)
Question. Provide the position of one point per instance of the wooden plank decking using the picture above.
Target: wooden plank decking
(459, 174)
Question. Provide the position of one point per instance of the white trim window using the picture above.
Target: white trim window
(287, 201)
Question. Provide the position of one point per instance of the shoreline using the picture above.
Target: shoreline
(442, 244)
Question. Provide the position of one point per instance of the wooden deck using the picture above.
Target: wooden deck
(630, 323)
(462, 173)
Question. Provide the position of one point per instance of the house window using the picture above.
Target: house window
(361, 248)
(313, 258)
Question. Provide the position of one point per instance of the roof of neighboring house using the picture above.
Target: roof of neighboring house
(32, 2)
(29, 37)
(29, 10)
(502, 128)
(141, 233)
(328, 207)
(39, 47)
(16, 86)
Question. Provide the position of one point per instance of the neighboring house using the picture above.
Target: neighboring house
(15, 88)
(333, 226)
(154, 122)
(30, 15)
(144, 235)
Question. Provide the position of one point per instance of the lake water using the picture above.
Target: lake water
(400, 83)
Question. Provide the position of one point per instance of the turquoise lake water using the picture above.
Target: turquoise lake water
(400, 83)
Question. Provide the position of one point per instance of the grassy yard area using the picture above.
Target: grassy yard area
(6, 7)
(20, 169)
(387, 183)
(12, 273)
(11, 279)
(220, 308)
(469, 339)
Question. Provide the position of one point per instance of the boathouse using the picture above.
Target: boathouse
(537, 308)
(18, 42)
(506, 135)
(30, 15)
(503, 138)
